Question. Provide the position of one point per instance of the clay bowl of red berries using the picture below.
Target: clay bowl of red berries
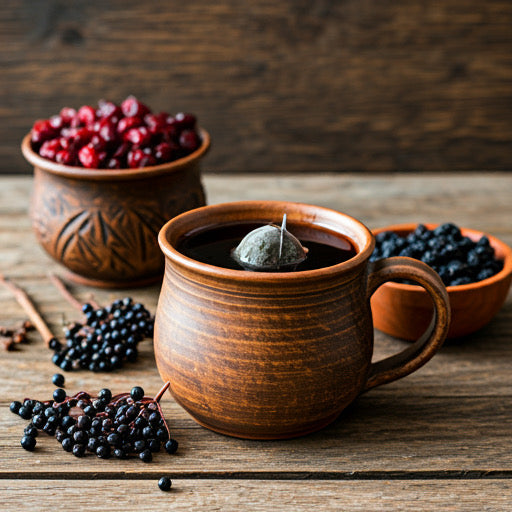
(475, 267)
(106, 179)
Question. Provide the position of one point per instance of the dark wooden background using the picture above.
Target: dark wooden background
(290, 85)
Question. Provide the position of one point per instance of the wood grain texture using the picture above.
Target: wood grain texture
(278, 496)
(450, 422)
(288, 86)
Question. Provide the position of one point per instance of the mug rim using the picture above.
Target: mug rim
(363, 252)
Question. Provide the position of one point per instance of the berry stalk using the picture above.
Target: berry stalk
(62, 288)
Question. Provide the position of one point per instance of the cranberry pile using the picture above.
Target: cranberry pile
(124, 425)
(115, 136)
(456, 258)
(108, 337)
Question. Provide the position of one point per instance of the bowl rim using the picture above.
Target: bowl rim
(70, 171)
(505, 272)
(169, 251)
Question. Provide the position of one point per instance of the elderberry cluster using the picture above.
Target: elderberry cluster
(109, 336)
(120, 426)
(456, 258)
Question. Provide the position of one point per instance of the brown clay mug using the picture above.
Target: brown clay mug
(268, 355)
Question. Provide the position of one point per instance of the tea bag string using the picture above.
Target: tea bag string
(281, 241)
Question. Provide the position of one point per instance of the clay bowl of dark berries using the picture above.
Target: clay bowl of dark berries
(475, 267)
(106, 179)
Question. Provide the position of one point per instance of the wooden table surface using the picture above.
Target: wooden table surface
(440, 439)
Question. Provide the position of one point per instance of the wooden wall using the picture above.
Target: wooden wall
(289, 85)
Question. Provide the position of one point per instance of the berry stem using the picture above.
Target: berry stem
(59, 284)
(28, 306)
(157, 398)
(159, 395)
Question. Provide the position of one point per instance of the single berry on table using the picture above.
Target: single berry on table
(165, 484)
(28, 442)
(58, 380)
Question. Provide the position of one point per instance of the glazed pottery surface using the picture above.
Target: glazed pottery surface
(101, 224)
(404, 310)
(268, 355)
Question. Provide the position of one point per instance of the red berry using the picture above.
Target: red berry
(98, 143)
(89, 157)
(129, 122)
(155, 123)
(138, 136)
(56, 122)
(165, 152)
(50, 148)
(65, 157)
(42, 130)
(185, 121)
(82, 136)
(108, 109)
(131, 106)
(86, 115)
(107, 130)
(189, 140)
(67, 114)
(135, 157)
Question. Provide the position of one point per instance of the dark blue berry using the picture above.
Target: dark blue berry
(171, 446)
(67, 444)
(165, 484)
(28, 442)
(54, 344)
(15, 407)
(25, 412)
(146, 456)
(137, 393)
(59, 395)
(103, 451)
(58, 380)
(78, 450)
(30, 430)
(105, 394)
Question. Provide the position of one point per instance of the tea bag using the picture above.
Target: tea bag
(270, 248)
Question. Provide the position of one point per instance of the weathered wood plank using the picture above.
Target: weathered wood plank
(380, 433)
(233, 496)
(291, 86)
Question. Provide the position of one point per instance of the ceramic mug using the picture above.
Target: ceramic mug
(268, 355)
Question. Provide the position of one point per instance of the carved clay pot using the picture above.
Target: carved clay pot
(101, 224)
(267, 355)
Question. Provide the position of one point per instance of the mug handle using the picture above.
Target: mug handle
(405, 362)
